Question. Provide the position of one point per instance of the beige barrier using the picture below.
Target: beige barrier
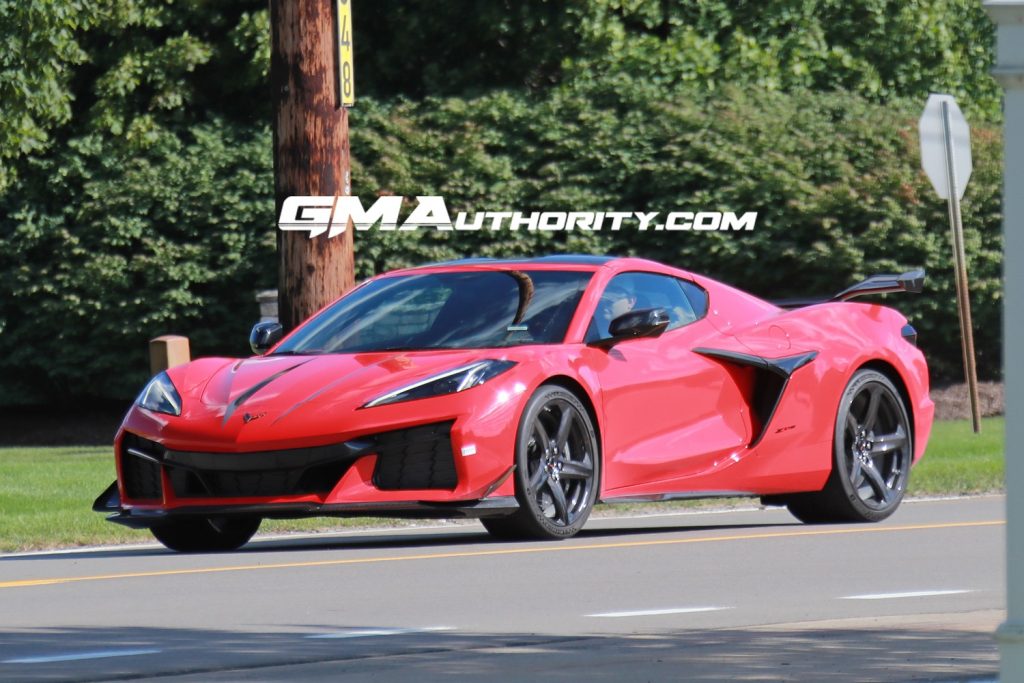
(167, 351)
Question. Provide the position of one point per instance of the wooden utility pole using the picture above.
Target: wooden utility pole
(311, 150)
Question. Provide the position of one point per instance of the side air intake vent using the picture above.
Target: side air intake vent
(771, 375)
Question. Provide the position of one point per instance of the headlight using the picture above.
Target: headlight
(450, 382)
(160, 396)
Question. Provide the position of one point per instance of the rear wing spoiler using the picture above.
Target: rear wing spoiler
(911, 282)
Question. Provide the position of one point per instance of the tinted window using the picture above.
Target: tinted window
(633, 291)
(697, 297)
(457, 310)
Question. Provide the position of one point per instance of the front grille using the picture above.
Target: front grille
(293, 481)
(415, 458)
(141, 475)
(292, 472)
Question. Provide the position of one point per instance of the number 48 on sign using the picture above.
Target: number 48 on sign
(343, 26)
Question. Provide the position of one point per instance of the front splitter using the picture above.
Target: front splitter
(488, 507)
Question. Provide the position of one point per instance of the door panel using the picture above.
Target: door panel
(669, 413)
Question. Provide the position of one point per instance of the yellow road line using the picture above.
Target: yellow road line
(24, 583)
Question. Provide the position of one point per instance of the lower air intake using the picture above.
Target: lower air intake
(142, 480)
(415, 458)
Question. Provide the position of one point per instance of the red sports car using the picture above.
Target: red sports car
(523, 392)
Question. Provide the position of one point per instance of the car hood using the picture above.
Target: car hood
(263, 398)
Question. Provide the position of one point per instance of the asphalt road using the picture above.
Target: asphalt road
(749, 595)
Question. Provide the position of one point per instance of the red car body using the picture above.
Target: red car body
(682, 414)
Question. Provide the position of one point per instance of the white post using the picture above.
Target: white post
(1009, 18)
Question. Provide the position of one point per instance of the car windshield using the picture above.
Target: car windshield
(453, 310)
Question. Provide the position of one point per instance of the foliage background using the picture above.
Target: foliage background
(136, 170)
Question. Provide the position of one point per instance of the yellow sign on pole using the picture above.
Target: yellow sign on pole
(346, 80)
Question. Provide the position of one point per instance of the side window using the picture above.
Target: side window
(697, 297)
(633, 291)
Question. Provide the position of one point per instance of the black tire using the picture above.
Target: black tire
(872, 451)
(556, 482)
(206, 534)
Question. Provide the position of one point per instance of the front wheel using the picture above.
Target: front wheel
(206, 534)
(872, 455)
(557, 469)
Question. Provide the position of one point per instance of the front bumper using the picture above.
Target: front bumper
(417, 458)
(407, 472)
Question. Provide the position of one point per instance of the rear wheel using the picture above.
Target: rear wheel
(872, 454)
(557, 469)
(206, 534)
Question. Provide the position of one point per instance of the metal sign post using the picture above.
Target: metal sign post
(1009, 71)
(946, 159)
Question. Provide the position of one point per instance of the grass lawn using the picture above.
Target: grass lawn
(46, 494)
(46, 497)
(958, 461)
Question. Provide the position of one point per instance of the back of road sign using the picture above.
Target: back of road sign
(933, 147)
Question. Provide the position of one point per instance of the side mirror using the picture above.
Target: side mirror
(646, 322)
(265, 335)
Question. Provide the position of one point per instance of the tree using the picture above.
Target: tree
(39, 51)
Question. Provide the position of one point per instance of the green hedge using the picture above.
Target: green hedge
(835, 180)
(105, 245)
(135, 167)
(103, 248)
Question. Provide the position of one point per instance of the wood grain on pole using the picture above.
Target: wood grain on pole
(311, 152)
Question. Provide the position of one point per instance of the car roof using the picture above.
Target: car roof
(552, 262)
(584, 262)
(567, 259)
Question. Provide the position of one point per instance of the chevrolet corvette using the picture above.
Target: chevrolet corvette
(523, 392)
